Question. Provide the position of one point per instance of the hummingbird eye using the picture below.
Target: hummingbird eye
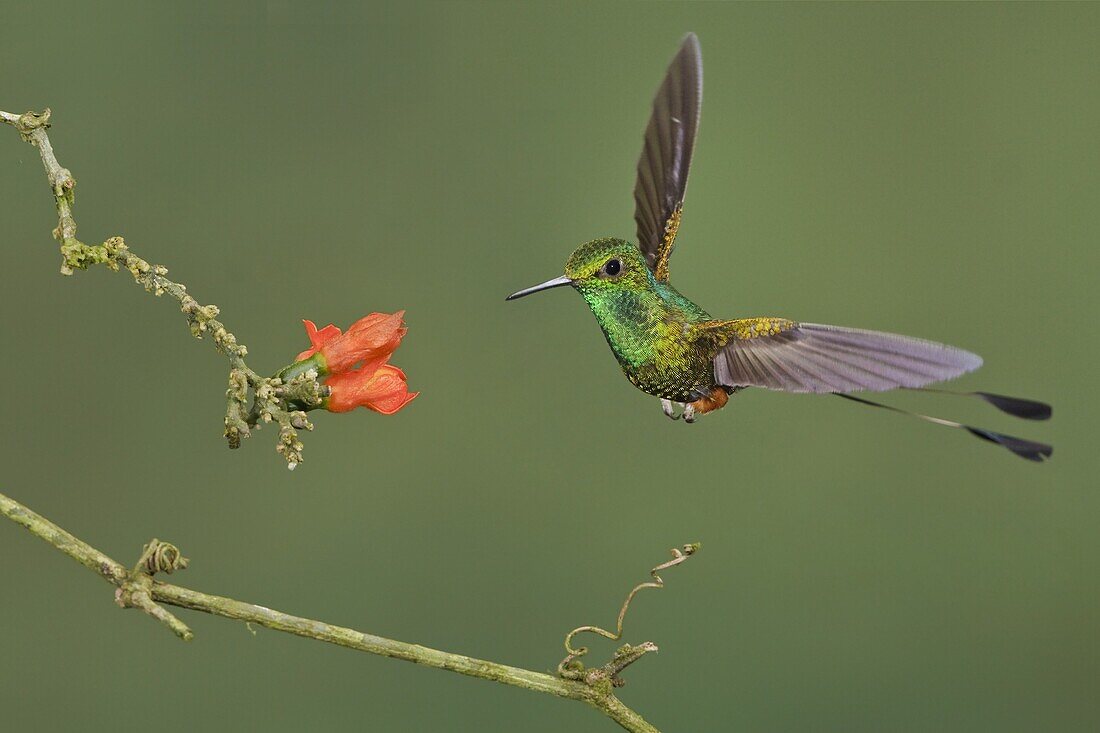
(612, 268)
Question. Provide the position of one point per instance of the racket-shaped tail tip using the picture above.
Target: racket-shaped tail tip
(1028, 449)
(1018, 407)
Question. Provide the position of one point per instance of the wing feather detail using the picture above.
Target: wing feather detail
(810, 357)
(666, 156)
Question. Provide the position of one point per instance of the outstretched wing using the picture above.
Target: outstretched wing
(666, 156)
(807, 357)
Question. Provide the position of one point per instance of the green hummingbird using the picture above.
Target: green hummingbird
(671, 348)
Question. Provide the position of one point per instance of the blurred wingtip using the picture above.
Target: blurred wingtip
(690, 43)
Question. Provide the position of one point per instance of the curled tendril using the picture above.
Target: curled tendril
(161, 557)
(570, 667)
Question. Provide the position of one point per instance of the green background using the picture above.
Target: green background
(926, 169)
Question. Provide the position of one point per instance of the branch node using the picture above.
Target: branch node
(136, 590)
(30, 121)
(236, 426)
(79, 256)
(303, 391)
(161, 557)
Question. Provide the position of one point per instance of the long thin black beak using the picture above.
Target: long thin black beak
(555, 283)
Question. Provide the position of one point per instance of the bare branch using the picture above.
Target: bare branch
(138, 589)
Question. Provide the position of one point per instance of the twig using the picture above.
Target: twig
(269, 403)
(572, 668)
(138, 589)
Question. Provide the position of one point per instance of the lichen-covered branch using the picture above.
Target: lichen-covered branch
(137, 588)
(269, 400)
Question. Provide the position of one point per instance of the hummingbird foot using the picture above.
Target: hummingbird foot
(687, 412)
(670, 411)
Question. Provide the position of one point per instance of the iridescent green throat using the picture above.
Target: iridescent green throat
(651, 332)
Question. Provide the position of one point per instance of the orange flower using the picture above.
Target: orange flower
(383, 390)
(354, 363)
(371, 339)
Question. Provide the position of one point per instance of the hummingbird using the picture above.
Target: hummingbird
(669, 347)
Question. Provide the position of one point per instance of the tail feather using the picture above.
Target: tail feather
(1015, 406)
(1028, 449)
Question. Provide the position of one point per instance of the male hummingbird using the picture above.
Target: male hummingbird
(671, 348)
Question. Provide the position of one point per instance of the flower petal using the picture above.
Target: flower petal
(371, 337)
(317, 339)
(384, 390)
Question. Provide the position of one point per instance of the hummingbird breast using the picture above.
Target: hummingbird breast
(652, 334)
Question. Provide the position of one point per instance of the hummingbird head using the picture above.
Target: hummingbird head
(601, 266)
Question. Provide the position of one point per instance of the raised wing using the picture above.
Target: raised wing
(775, 353)
(666, 156)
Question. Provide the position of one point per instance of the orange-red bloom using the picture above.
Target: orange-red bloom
(384, 390)
(370, 340)
(355, 363)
